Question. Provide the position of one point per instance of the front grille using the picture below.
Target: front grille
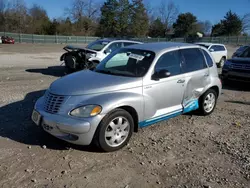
(240, 66)
(53, 102)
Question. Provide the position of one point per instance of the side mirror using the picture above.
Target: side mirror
(161, 74)
(211, 50)
(107, 51)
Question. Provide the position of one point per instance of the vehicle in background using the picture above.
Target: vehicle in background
(78, 58)
(132, 88)
(7, 40)
(0, 40)
(218, 51)
(237, 68)
(240, 50)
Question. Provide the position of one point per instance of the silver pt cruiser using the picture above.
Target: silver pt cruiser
(133, 87)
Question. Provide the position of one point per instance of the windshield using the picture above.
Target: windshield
(127, 62)
(97, 45)
(242, 48)
(204, 45)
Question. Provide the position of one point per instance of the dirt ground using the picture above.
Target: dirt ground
(187, 151)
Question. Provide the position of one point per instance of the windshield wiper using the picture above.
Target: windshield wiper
(104, 71)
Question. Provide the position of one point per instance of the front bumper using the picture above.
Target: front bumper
(236, 75)
(74, 130)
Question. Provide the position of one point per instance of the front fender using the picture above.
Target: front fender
(111, 101)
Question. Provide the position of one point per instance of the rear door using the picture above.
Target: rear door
(196, 76)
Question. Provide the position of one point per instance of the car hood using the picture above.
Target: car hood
(90, 82)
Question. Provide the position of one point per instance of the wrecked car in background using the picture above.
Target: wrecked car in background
(79, 58)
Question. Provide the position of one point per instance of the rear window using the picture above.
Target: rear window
(194, 60)
(208, 58)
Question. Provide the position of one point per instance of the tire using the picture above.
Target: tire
(222, 62)
(110, 135)
(206, 103)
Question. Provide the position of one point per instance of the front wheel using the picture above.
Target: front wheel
(207, 102)
(115, 130)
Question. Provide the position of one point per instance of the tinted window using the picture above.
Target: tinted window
(97, 45)
(128, 43)
(115, 46)
(169, 61)
(208, 58)
(194, 60)
(217, 48)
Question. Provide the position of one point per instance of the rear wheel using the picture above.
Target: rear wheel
(207, 102)
(115, 130)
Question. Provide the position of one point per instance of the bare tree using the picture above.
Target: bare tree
(246, 23)
(82, 8)
(168, 12)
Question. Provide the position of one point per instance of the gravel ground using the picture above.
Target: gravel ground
(187, 151)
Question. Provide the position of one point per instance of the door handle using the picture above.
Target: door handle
(206, 75)
(180, 81)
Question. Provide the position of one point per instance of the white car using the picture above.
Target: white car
(218, 51)
(77, 58)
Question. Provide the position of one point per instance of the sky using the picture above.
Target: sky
(213, 10)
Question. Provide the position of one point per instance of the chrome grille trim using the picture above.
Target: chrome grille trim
(240, 66)
(53, 102)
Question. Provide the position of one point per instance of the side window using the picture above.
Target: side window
(194, 60)
(218, 48)
(208, 58)
(169, 61)
(114, 46)
(128, 43)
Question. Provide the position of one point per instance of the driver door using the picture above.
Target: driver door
(163, 97)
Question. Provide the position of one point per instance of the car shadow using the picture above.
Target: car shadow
(236, 85)
(16, 124)
(238, 102)
(57, 71)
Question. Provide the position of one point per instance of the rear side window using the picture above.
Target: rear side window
(194, 60)
(218, 48)
(208, 58)
(170, 61)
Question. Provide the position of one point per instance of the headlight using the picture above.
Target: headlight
(86, 111)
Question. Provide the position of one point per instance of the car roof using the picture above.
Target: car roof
(120, 40)
(209, 44)
(157, 47)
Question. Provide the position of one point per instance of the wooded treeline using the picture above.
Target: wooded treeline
(117, 18)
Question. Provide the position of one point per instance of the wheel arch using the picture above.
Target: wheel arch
(133, 113)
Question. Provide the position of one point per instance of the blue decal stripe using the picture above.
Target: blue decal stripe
(153, 121)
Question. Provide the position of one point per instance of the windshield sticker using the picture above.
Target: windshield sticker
(136, 56)
(104, 43)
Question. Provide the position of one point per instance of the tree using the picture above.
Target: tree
(185, 25)
(168, 13)
(218, 30)
(108, 18)
(40, 22)
(205, 27)
(122, 18)
(232, 24)
(83, 14)
(229, 26)
(246, 23)
(139, 19)
(157, 28)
